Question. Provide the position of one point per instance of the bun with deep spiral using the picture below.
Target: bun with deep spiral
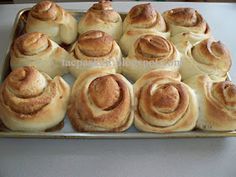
(142, 19)
(49, 18)
(206, 57)
(163, 104)
(94, 49)
(150, 52)
(187, 27)
(36, 49)
(101, 101)
(101, 16)
(217, 103)
(32, 101)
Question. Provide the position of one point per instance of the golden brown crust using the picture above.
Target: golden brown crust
(207, 57)
(101, 101)
(183, 17)
(94, 49)
(142, 19)
(210, 52)
(46, 10)
(101, 11)
(95, 43)
(144, 16)
(154, 48)
(101, 16)
(142, 13)
(27, 100)
(31, 44)
(164, 104)
(217, 103)
(151, 52)
(36, 49)
(186, 17)
(187, 27)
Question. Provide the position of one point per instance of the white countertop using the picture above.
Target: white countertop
(215, 157)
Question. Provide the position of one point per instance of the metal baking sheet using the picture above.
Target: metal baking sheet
(67, 131)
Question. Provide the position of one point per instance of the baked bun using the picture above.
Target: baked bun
(101, 16)
(49, 18)
(94, 49)
(207, 57)
(36, 49)
(217, 103)
(141, 19)
(163, 104)
(101, 101)
(31, 101)
(187, 27)
(150, 52)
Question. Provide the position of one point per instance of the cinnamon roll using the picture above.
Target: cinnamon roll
(141, 19)
(32, 101)
(207, 57)
(49, 18)
(101, 102)
(163, 104)
(187, 27)
(94, 49)
(150, 52)
(36, 49)
(217, 103)
(101, 16)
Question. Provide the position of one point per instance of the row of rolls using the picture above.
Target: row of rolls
(102, 100)
(177, 40)
(177, 68)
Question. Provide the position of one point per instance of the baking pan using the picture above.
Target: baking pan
(67, 131)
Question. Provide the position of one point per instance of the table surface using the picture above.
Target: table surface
(213, 157)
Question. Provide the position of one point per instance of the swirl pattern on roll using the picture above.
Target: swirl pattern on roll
(32, 101)
(101, 102)
(187, 27)
(217, 103)
(207, 57)
(49, 18)
(94, 49)
(141, 19)
(101, 16)
(151, 52)
(36, 49)
(163, 104)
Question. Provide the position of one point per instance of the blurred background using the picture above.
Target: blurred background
(34, 1)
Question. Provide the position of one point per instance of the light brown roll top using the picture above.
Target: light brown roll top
(46, 11)
(101, 11)
(225, 94)
(31, 44)
(102, 5)
(183, 17)
(32, 101)
(212, 53)
(186, 17)
(27, 91)
(167, 100)
(144, 16)
(154, 48)
(95, 44)
(24, 91)
(95, 49)
(217, 103)
(101, 101)
(26, 82)
(105, 92)
(163, 103)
